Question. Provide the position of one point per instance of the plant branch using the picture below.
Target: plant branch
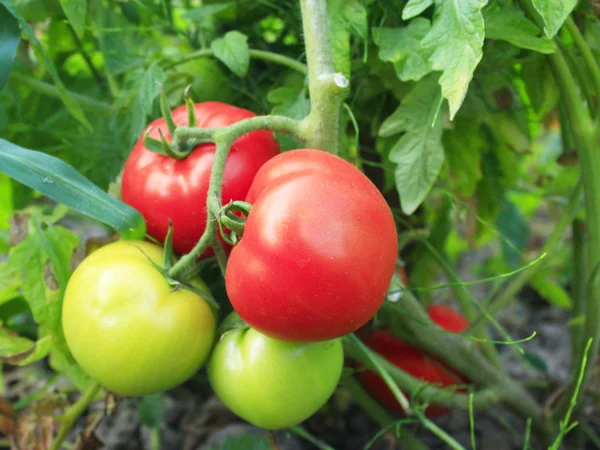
(73, 413)
(585, 51)
(281, 124)
(420, 389)
(380, 415)
(213, 205)
(327, 89)
(410, 323)
(256, 54)
(51, 91)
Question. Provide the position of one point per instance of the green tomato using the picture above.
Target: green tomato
(127, 327)
(270, 383)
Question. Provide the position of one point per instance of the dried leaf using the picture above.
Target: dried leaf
(8, 418)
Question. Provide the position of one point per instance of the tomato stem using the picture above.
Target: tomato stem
(73, 413)
(256, 54)
(376, 364)
(427, 393)
(272, 440)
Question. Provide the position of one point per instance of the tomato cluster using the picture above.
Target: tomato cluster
(413, 361)
(314, 263)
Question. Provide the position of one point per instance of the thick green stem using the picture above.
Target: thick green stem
(585, 137)
(586, 140)
(579, 291)
(73, 413)
(327, 88)
(410, 323)
(586, 53)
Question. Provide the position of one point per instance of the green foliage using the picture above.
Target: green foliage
(246, 441)
(454, 110)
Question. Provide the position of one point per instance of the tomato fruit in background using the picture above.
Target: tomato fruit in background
(270, 383)
(413, 361)
(127, 328)
(163, 188)
(318, 251)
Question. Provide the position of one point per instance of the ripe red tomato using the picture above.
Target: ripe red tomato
(318, 251)
(414, 362)
(162, 188)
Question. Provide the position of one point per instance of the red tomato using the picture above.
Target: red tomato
(412, 361)
(318, 251)
(162, 188)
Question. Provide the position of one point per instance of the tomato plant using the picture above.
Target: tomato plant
(318, 251)
(270, 383)
(128, 328)
(162, 188)
(413, 361)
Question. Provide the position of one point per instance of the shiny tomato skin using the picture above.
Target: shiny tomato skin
(318, 251)
(162, 188)
(414, 362)
(270, 383)
(127, 327)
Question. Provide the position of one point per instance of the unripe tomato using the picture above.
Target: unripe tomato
(162, 188)
(318, 251)
(413, 361)
(273, 384)
(127, 327)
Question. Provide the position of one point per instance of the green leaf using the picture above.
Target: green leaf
(339, 32)
(46, 62)
(456, 40)
(536, 361)
(6, 206)
(232, 50)
(415, 7)
(204, 11)
(289, 102)
(551, 291)
(419, 153)
(141, 88)
(515, 233)
(9, 41)
(463, 146)
(76, 12)
(58, 244)
(61, 182)
(246, 441)
(152, 410)
(11, 345)
(510, 25)
(554, 13)
(122, 48)
(489, 190)
(402, 46)
(10, 283)
(21, 351)
(357, 18)
(28, 261)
